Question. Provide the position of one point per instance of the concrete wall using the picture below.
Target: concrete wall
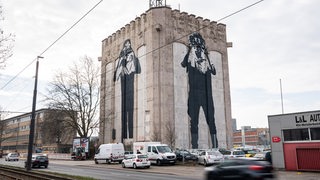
(159, 39)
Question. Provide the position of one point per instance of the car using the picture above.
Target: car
(136, 161)
(234, 154)
(210, 157)
(265, 156)
(240, 169)
(39, 160)
(12, 157)
(126, 153)
(196, 152)
(184, 155)
(250, 153)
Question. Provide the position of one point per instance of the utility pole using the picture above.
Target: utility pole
(33, 115)
(281, 96)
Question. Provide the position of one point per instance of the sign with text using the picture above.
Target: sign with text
(307, 120)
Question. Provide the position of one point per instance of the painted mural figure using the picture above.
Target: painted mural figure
(128, 65)
(199, 69)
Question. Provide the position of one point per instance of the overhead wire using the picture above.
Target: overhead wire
(225, 17)
(54, 42)
(156, 49)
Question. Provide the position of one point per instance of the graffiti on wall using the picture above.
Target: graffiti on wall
(199, 69)
(128, 65)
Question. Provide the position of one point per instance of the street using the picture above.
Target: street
(115, 171)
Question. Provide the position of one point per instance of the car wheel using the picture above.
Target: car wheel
(108, 161)
(45, 166)
(134, 166)
(147, 167)
(96, 161)
(123, 165)
(158, 162)
(205, 163)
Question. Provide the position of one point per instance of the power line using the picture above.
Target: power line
(236, 12)
(225, 17)
(54, 42)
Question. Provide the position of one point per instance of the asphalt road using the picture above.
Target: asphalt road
(115, 171)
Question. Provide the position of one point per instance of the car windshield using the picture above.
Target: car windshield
(184, 152)
(41, 157)
(163, 149)
(213, 153)
(238, 152)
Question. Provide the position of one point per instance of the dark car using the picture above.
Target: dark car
(184, 155)
(38, 161)
(240, 169)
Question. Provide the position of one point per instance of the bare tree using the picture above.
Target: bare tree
(77, 94)
(170, 136)
(156, 133)
(54, 128)
(3, 126)
(6, 44)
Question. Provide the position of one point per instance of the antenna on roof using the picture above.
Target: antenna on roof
(157, 3)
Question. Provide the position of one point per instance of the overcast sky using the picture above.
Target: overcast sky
(272, 40)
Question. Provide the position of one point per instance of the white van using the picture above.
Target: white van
(157, 153)
(107, 153)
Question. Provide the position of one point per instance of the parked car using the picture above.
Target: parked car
(196, 152)
(38, 160)
(234, 154)
(250, 153)
(136, 161)
(184, 155)
(12, 157)
(240, 169)
(126, 153)
(265, 156)
(210, 157)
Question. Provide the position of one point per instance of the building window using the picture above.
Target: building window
(315, 133)
(296, 134)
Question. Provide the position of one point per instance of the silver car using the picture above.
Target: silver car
(12, 157)
(210, 157)
(234, 154)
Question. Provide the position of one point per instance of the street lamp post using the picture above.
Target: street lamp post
(33, 115)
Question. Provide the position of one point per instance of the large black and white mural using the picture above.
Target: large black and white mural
(128, 65)
(199, 69)
(199, 97)
(198, 106)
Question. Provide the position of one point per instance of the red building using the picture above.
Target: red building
(296, 141)
(251, 137)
